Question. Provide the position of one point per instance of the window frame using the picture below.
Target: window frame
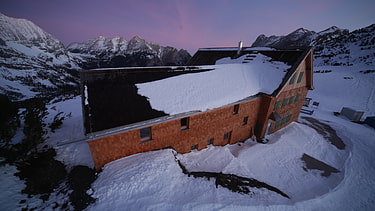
(292, 79)
(210, 141)
(245, 120)
(194, 147)
(291, 100)
(147, 138)
(185, 123)
(297, 98)
(285, 102)
(276, 106)
(300, 77)
(236, 108)
(227, 136)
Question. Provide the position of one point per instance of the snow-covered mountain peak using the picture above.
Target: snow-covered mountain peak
(32, 61)
(301, 31)
(117, 51)
(137, 43)
(331, 29)
(99, 45)
(24, 31)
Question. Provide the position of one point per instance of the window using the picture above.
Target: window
(282, 121)
(277, 123)
(145, 134)
(245, 119)
(297, 98)
(289, 117)
(235, 109)
(227, 136)
(292, 79)
(185, 123)
(210, 141)
(291, 100)
(276, 106)
(194, 147)
(285, 101)
(300, 77)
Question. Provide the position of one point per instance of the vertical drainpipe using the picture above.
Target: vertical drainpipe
(239, 47)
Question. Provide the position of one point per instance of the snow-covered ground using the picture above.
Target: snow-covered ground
(345, 86)
(154, 180)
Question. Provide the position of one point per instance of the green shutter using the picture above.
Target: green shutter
(292, 79)
(291, 100)
(289, 117)
(285, 101)
(277, 124)
(297, 98)
(300, 77)
(277, 103)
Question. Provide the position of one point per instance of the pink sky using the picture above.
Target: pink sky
(188, 24)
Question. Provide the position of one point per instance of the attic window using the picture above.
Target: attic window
(145, 134)
(184, 123)
(292, 79)
(235, 109)
(300, 77)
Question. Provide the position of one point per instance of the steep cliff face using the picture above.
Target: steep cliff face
(33, 62)
(300, 37)
(117, 52)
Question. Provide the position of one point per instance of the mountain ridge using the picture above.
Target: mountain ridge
(116, 52)
(332, 46)
(33, 63)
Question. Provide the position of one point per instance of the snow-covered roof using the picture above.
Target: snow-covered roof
(235, 49)
(230, 80)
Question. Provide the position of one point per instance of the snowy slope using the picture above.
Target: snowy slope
(32, 61)
(347, 86)
(230, 81)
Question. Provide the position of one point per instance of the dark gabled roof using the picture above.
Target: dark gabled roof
(302, 55)
(293, 57)
(208, 56)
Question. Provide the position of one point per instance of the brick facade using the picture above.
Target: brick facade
(202, 127)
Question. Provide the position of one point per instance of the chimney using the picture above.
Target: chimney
(239, 48)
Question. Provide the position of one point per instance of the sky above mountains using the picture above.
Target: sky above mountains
(188, 24)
